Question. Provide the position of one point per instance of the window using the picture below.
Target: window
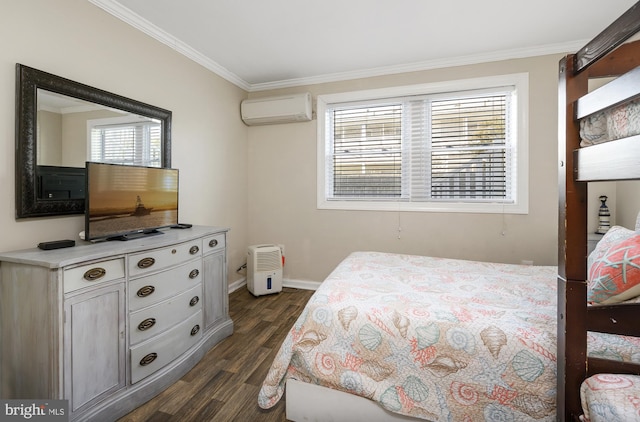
(121, 142)
(456, 147)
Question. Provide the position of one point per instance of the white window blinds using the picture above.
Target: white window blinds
(128, 143)
(446, 147)
(367, 151)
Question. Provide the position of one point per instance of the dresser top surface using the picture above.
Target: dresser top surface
(87, 251)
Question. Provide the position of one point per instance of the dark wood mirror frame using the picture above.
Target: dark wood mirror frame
(28, 80)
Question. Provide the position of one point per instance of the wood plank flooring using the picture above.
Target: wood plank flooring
(224, 385)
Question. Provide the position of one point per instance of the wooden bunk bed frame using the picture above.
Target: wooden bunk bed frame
(607, 55)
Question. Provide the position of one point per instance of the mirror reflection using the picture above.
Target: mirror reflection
(61, 124)
(71, 131)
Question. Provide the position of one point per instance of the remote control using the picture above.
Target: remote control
(56, 244)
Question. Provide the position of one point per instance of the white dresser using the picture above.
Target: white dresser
(110, 325)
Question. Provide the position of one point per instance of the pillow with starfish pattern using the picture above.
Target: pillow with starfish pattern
(614, 267)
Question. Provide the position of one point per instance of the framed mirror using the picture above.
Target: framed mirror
(50, 161)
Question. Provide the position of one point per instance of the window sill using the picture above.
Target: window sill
(444, 207)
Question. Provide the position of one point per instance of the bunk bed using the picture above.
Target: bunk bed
(598, 141)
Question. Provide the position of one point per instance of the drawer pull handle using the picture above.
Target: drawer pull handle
(194, 273)
(146, 324)
(194, 301)
(194, 250)
(94, 274)
(145, 291)
(146, 262)
(148, 359)
(213, 243)
(195, 330)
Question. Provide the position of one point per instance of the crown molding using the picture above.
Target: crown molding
(138, 22)
(561, 48)
(135, 20)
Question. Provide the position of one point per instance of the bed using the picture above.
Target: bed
(433, 338)
(598, 141)
(427, 338)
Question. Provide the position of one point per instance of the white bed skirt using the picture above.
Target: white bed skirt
(310, 402)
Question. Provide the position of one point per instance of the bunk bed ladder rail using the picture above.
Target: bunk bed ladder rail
(572, 230)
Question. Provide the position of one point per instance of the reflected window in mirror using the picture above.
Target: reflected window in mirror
(71, 131)
(132, 141)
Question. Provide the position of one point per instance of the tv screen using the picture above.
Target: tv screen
(55, 182)
(124, 202)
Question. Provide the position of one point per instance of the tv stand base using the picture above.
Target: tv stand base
(137, 235)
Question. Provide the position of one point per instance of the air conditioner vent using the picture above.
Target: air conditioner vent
(274, 110)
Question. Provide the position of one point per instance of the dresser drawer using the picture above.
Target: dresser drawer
(93, 274)
(155, 319)
(154, 354)
(154, 288)
(158, 259)
(213, 243)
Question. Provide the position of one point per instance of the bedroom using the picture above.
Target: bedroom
(239, 167)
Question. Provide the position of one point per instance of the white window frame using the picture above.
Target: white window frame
(124, 121)
(520, 205)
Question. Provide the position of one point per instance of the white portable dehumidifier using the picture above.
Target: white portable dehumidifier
(264, 269)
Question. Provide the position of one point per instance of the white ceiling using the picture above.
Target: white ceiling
(263, 44)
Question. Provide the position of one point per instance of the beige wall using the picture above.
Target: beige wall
(49, 138)
(75, 134)
(627, 205)
(282, 190)
(261, 181)
(79, 41)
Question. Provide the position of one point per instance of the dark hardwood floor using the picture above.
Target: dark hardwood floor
(224, 385)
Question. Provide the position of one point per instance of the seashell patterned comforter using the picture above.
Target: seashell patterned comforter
(433, 338)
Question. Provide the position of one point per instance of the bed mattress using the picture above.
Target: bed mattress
(433, 338)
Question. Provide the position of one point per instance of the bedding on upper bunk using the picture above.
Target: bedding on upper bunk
(433, 338)
(615, 123)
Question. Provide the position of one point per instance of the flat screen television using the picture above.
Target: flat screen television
(124, 202)
(55, 182)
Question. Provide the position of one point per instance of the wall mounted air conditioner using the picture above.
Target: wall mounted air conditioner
(273, 110)
(264, 269)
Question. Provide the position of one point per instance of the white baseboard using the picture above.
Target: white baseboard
(294, 284)
(301, 284)
(238, 284)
